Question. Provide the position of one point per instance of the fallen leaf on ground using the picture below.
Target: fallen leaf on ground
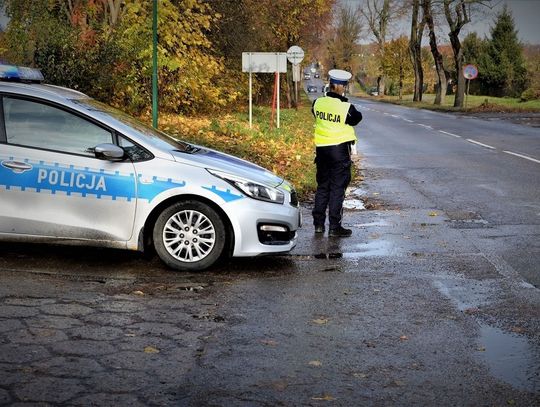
(280, 385)
(518, 329)
(360, 375)
(320, 321)
(433, 214)
(269, 342)
(404, 338)
(151, 349)
(137, 292)
(325, 397)
(316, 363)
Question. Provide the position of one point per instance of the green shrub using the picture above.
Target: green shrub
(530, 94)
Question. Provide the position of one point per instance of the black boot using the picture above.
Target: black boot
(340, 232)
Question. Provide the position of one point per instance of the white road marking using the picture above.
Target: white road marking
(425, 125)
(480, 144)
(386, 114)
(393, 115)
(407, 120)
(522, 156)
(450, 134)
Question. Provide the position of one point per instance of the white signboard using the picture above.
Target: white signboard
(264, 62)
(295, 54)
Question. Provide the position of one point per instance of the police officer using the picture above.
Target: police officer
(334, 139)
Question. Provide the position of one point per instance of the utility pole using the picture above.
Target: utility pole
(154, 65)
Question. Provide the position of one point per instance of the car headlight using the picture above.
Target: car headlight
(251, 188)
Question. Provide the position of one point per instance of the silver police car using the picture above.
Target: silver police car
(76, 171)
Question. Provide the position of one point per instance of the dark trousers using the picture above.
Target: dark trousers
(333, 177)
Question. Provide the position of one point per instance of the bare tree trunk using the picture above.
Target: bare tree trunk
(401, 76)
(380, 85)
(415, 46)
(458, 62)
(437, 56)
(456, 22)
(291, 100)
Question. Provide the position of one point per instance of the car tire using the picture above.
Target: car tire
(189, 236)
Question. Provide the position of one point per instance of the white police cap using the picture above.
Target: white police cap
(339, 76)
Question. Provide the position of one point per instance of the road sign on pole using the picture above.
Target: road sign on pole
(295, 54)
(263, 62)
(469, 72)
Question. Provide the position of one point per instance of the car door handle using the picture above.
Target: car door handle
(17, 166)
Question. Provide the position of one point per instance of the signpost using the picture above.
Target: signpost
(295, 55)
(469, 72)
(263, 62)
(154, 65)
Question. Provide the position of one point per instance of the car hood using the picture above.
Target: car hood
(212, 159)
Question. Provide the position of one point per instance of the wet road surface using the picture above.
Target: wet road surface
(404, 313)
(427, 304)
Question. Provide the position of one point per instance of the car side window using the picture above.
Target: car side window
(33, 124)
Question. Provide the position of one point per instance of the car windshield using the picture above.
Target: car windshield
(154, 136)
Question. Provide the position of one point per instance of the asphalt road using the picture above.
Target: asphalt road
(484, 175)
(431, 302)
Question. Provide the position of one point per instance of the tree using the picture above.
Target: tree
(442, 80)
(503, 66)
(379, 14)
(474, 52)
(292, 23)
(397, 63)
(268, 25)
(342, 46)
(189, 73)
(458, 14)
(103, 48)
(415, 48)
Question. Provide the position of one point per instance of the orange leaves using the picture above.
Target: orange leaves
(288, 151)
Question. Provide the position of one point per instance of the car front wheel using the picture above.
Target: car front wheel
(189, 235)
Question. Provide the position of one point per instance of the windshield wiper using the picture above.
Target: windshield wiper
(189, 149)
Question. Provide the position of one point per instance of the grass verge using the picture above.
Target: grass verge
(287, 151)
(474, 104)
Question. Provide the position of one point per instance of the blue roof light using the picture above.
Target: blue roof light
(20, 73)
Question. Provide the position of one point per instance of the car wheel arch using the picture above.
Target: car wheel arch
(146, 243)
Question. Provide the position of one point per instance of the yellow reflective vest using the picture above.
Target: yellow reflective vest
(330, 128)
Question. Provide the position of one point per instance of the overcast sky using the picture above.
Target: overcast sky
(526, 15)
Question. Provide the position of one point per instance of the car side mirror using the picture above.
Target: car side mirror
(108, 151)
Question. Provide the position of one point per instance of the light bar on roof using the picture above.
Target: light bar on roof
(20, 73)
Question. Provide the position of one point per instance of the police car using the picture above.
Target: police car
(76, 171)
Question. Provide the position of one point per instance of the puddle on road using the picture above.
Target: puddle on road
(356, 204)
(371, 224)
(511, 358)
(464, 298)
(372, 249)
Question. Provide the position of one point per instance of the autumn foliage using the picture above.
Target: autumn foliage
(288, 151)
